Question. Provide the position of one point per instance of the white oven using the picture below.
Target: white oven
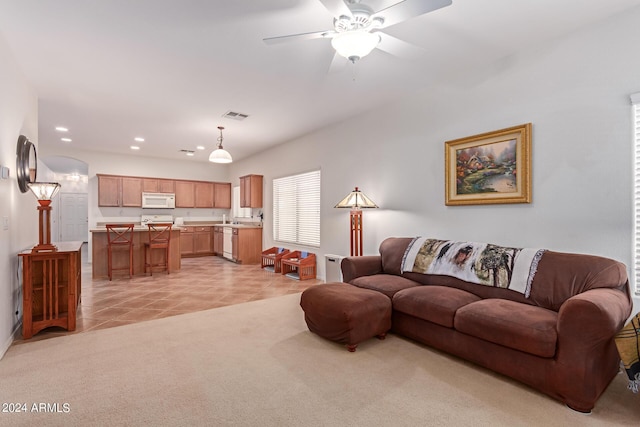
(158, 200)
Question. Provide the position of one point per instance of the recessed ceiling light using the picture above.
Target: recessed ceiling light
(65, 139)
(200, 147)
(138, 139)
(135, 147)
(62, 129)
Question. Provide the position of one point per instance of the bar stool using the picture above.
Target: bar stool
(119, 236)
(159, 238)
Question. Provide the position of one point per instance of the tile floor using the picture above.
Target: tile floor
(202, 283)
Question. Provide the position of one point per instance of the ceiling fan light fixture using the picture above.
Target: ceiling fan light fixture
(220, 155)
(356, 44)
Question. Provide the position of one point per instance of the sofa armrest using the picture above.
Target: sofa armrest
(353, 267)
(592, 318)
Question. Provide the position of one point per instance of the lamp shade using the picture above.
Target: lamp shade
(356, 199)
(355, 44)
(220, 155)
(44, 190)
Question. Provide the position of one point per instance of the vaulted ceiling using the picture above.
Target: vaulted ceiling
(168, 70)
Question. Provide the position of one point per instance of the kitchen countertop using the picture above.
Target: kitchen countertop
(220, 224)
(238, 225)
(139, 227)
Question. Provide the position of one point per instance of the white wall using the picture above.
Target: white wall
(574, 91)
(18, 115)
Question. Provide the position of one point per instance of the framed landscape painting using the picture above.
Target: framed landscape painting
(493, 167)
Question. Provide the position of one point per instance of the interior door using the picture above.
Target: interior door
(73, 217)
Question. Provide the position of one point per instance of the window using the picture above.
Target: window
(635, 101)
(296, 209)
(237, 211)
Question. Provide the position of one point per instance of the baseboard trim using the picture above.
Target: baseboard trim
(14, 335)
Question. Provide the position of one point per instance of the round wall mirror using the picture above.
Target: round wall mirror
(26, 163)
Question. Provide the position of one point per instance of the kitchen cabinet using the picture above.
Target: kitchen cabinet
(126, 191)
(203, 194)
(251, 191)
(218, 241)
(158, 185)
(196, 241)
(186, 241)
(185, 194)
(202, 244)
(246, 245)
(131, 192)
(119, 191)
(109, 190)
(222, 195)
(51, 285)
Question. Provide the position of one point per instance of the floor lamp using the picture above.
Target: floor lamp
(356, 201)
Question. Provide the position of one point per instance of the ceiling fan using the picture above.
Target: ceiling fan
(356, 27)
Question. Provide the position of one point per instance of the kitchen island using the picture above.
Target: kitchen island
(121, 257)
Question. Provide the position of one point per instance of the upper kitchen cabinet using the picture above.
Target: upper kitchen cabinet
(185, 194)
(222, 195)
(203, 194)
(251, 191)
(119, 191)
(109, 190)
(131, 192)
(157, 185)
(126, 191)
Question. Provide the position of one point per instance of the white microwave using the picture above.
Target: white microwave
(158, 200)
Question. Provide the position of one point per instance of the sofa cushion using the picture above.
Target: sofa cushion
(392, 252)
(511, 324)
(437, 304)
(388, 284)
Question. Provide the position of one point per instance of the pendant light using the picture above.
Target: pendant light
(220, 155)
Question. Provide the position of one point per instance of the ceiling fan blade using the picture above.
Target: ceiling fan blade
(399, 48)
(301, 36)
(338, 64)
(408, 9)
(336, 7)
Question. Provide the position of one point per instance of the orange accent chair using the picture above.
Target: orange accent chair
(119, 236)
(299, 264)
(271, 258)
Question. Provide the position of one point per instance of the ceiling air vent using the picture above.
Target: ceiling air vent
(234, 115)
(188, 152)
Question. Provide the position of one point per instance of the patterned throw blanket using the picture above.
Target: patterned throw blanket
(479, 263)
(628, 343)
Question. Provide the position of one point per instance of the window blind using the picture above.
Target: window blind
(635, 101)
(296, 209)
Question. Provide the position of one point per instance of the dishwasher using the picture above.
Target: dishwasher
(227, 242)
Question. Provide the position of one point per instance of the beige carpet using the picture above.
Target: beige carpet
(256, 364)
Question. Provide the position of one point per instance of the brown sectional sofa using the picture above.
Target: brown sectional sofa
(559, 340)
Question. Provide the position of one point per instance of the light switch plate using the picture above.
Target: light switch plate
(4, 172)
(5, 222)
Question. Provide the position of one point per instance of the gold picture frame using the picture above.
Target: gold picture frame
(490, 168)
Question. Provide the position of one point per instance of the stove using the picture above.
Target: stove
(155, 219)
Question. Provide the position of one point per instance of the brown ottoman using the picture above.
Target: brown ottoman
(346, 314)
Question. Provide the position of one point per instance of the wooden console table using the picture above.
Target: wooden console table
(51, 285)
